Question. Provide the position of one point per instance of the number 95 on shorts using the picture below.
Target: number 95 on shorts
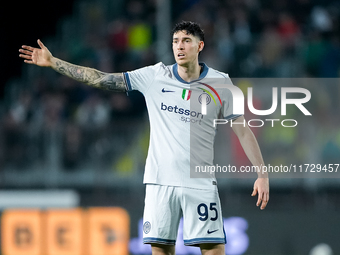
(166, 205)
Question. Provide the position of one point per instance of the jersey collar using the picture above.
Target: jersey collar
(202, 75)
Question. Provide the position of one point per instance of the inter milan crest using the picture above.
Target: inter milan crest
(147, 227)
(207, 98)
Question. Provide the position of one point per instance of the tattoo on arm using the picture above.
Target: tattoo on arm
(91, 77)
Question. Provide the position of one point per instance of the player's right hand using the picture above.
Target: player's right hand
(39, 57)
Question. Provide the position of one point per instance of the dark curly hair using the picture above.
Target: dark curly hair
(192, 28)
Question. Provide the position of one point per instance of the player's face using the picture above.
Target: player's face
(186, 48)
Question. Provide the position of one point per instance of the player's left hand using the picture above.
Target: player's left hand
(261, 187)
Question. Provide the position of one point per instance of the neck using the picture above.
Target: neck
(189, 72)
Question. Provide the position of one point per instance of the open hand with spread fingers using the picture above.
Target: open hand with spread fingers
(39, 57)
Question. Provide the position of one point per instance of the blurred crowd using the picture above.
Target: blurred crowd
(245, 38)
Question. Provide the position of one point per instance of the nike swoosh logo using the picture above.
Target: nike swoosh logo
(210, 232)
(163, 90)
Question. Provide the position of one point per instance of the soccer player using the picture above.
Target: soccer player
(176, 125)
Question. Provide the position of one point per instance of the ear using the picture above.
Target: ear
(200, 46)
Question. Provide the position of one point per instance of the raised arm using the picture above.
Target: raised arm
(89, 76)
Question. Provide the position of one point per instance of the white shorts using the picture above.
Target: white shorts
(166, 205)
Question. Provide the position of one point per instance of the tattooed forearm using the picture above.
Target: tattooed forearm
(113, 82)
(90, 76)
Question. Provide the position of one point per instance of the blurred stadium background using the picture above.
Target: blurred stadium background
(65, 145)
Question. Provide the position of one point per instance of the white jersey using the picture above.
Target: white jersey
(180, 135)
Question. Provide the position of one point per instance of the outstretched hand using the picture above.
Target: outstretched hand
(39, 57)
(261, 187)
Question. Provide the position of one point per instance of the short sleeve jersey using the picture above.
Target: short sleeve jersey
(180, 134)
